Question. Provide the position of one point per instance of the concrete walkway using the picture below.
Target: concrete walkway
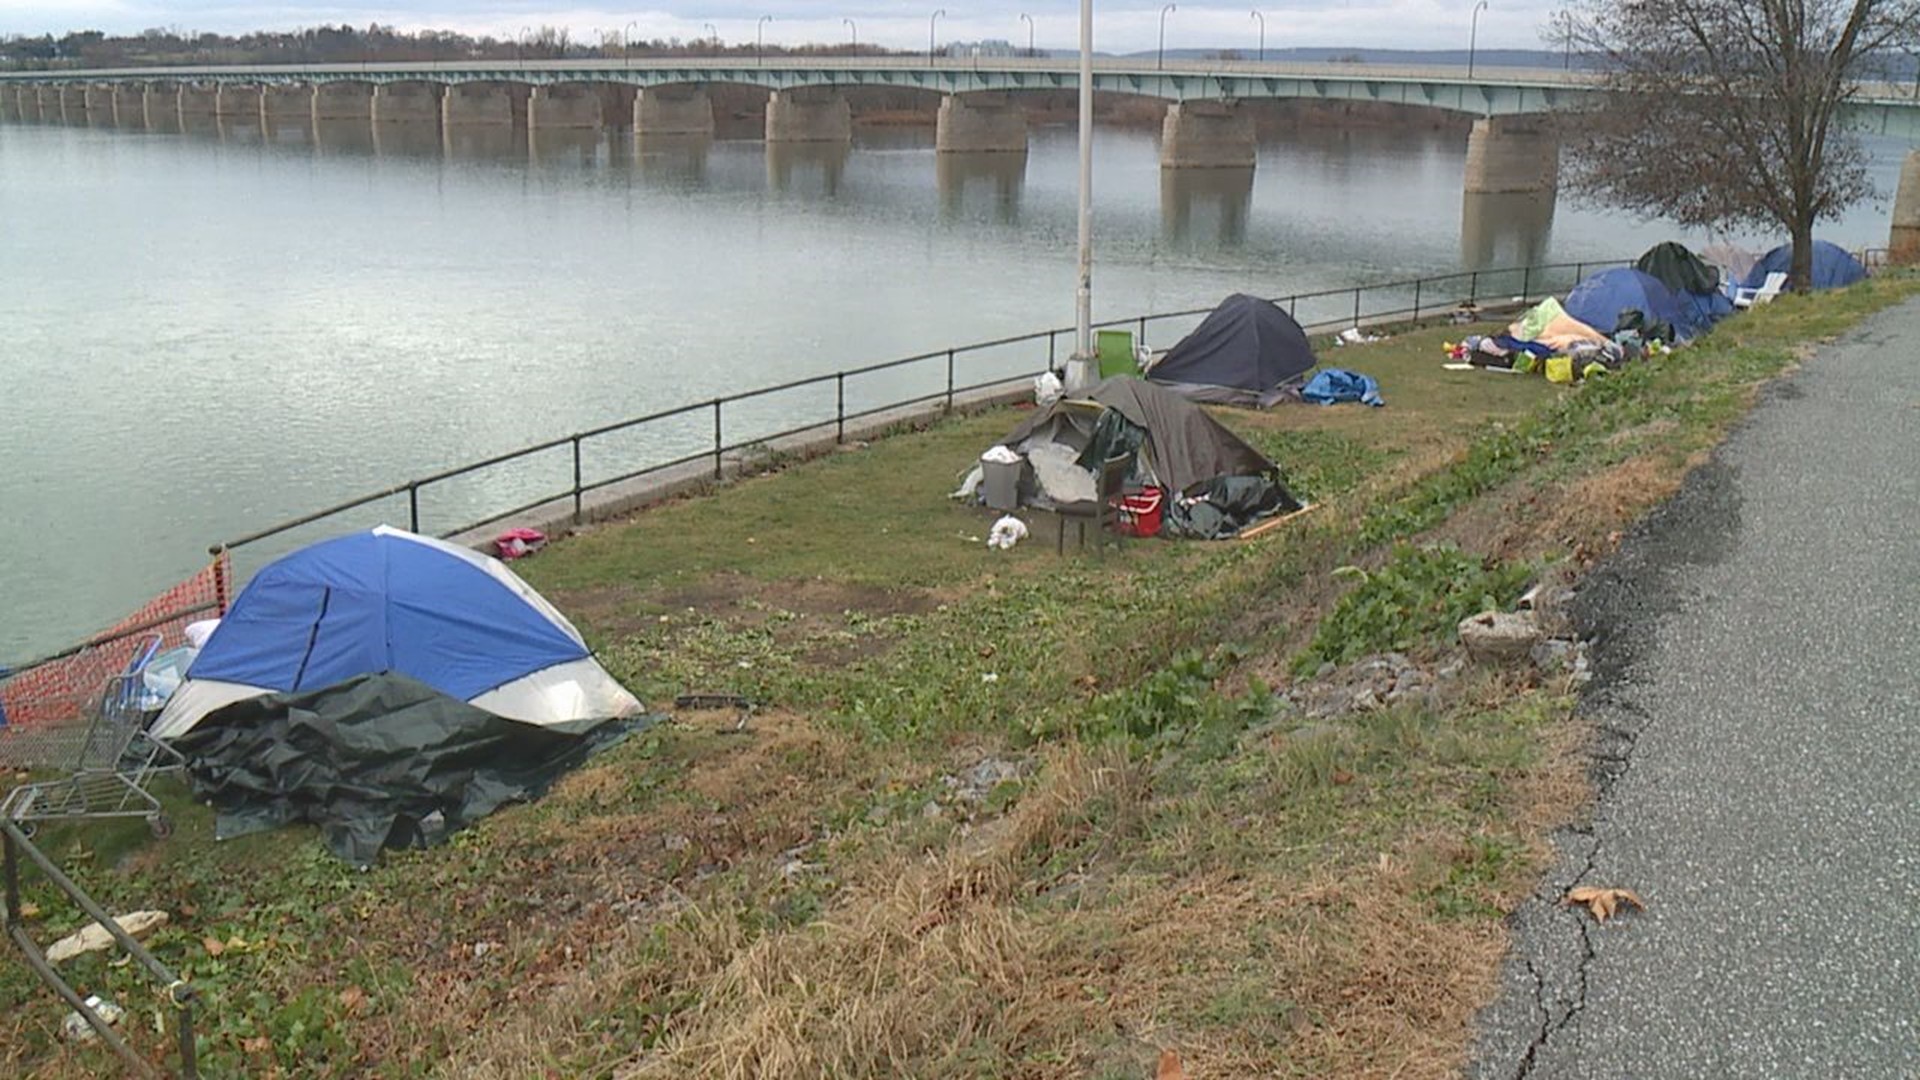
(1758, 647)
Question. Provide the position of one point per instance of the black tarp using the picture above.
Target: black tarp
(1186, 446)
(1220, 508)
(1679, 269)
(1246, 352)
(375, 761)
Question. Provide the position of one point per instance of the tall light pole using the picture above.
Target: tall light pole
(931, 20)
(760, 38)
(1473, 35)
(1263, 33)
(855, 31)
(1162, 61)
(1028, 19)
(712, 34)
(626, 42)
(525, 39)
(1081, 368)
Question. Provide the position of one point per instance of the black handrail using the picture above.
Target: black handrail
(719, 447)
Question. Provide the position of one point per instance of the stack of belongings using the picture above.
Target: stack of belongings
(1694, 283)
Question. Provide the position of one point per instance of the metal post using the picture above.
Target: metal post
(949, 380)
(576, 479)
(716, 438)
(1416, 299)
(1473, 288)
(413, 507)
(840, 406)
(1142, 335)
(189, 1052)
(1579, 272)
(1083, 291)
(931, 21)
(1160, 63)
(1473, 35)
(1526, 281)
(13, 882)
(1356, 306)
(1263, 35)
(1050, 352)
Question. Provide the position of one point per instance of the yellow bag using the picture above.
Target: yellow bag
(1559, 369)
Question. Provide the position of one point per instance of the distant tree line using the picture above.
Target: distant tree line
(346, 44)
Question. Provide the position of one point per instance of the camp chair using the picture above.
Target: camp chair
(1744, 297)
(1114, 350)
(1104, 510)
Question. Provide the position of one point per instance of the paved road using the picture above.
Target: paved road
(1758, 645)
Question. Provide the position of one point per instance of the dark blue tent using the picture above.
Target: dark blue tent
(1245, 352)
(1833, 267)
(1606, 299)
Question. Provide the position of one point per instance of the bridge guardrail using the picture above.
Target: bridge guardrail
(946, 381)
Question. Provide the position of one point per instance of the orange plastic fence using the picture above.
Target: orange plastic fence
(58, 690)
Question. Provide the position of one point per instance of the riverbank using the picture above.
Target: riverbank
(1004, 813)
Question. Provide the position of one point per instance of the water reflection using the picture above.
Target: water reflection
(286, 130)
(163, 118)
(484, 142)
(564, 147)
(1205, 207)
(1505, 229)
(407, 138)
(994, 179)
(811, 168)
(680, 160)
(343, 138)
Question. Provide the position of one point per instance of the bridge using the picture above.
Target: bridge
(1511, 150)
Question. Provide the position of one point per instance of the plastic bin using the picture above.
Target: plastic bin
(1000, 483)
(1140, 513)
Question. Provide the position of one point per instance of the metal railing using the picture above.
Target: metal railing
(1408, 299)
(178, 991)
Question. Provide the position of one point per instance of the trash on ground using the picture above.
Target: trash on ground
(94, 938)
(1353, 335)
(519, 543)
(1333, 386)
(1604, 903)
(1006, 532)
(75, 1027)
(1047, 389)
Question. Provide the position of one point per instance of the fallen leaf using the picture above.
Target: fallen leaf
(213, 945)
(259, 1044)
(29, 909)
(1604, 903)
(353, 999)
(1342, 776)
(188, 911)
(1169, 1067)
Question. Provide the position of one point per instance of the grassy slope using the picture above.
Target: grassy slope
(1181, 862)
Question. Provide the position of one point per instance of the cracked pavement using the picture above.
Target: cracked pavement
(1757, 716)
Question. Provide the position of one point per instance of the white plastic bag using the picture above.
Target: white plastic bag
(1006, 532)
(1047, 389)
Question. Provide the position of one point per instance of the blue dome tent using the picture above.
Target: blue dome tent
(1602, 299)
(389, 601)
(1833, 267)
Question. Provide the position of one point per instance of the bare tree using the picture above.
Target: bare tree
(1724, 113)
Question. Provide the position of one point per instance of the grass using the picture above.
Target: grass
(1180, 858)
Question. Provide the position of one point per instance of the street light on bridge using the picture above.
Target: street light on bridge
(626, 43)
(760, 38)
(1473, 35)
(931, 20)
(1263, 33)
(1028, 19)
(855, 31)
(520, 44)
(1162, 61)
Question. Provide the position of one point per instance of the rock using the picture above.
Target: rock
(75, 1027)
(1325, 670)
(1366, 699)
(94, 937)
(931, 809)
(1397, 661)
(1451, 669)
(1498, 637)
(1553, 655)
(978, 782)
(676, 842)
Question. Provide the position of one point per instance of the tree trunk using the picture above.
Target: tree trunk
(1800, 270)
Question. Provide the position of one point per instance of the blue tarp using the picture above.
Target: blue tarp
(1602, 299)
(1833, 267)
(1335, 385)
(381, 601)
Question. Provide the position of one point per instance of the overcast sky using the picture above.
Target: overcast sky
(1120, 25)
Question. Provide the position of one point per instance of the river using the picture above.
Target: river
(207, 332)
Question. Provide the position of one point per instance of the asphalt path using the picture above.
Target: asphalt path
(1757, 648)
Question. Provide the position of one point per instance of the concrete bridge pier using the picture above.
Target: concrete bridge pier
(980, 123)
(235, 101)
(341, 101)
(198, 101)
(130, 105)
(574, 106)
(1206, 135)
(1509, 154)
(482, 104)
(1903, 239)
(673, 110)
(406, 103)
(160, 106)
(616, 105)
(809, 114)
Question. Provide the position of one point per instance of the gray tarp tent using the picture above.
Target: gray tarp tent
(1246, 352)
(1184, 445)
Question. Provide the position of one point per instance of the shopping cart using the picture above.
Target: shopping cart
(115, 761)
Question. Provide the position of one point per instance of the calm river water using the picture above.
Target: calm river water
(204, 333)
